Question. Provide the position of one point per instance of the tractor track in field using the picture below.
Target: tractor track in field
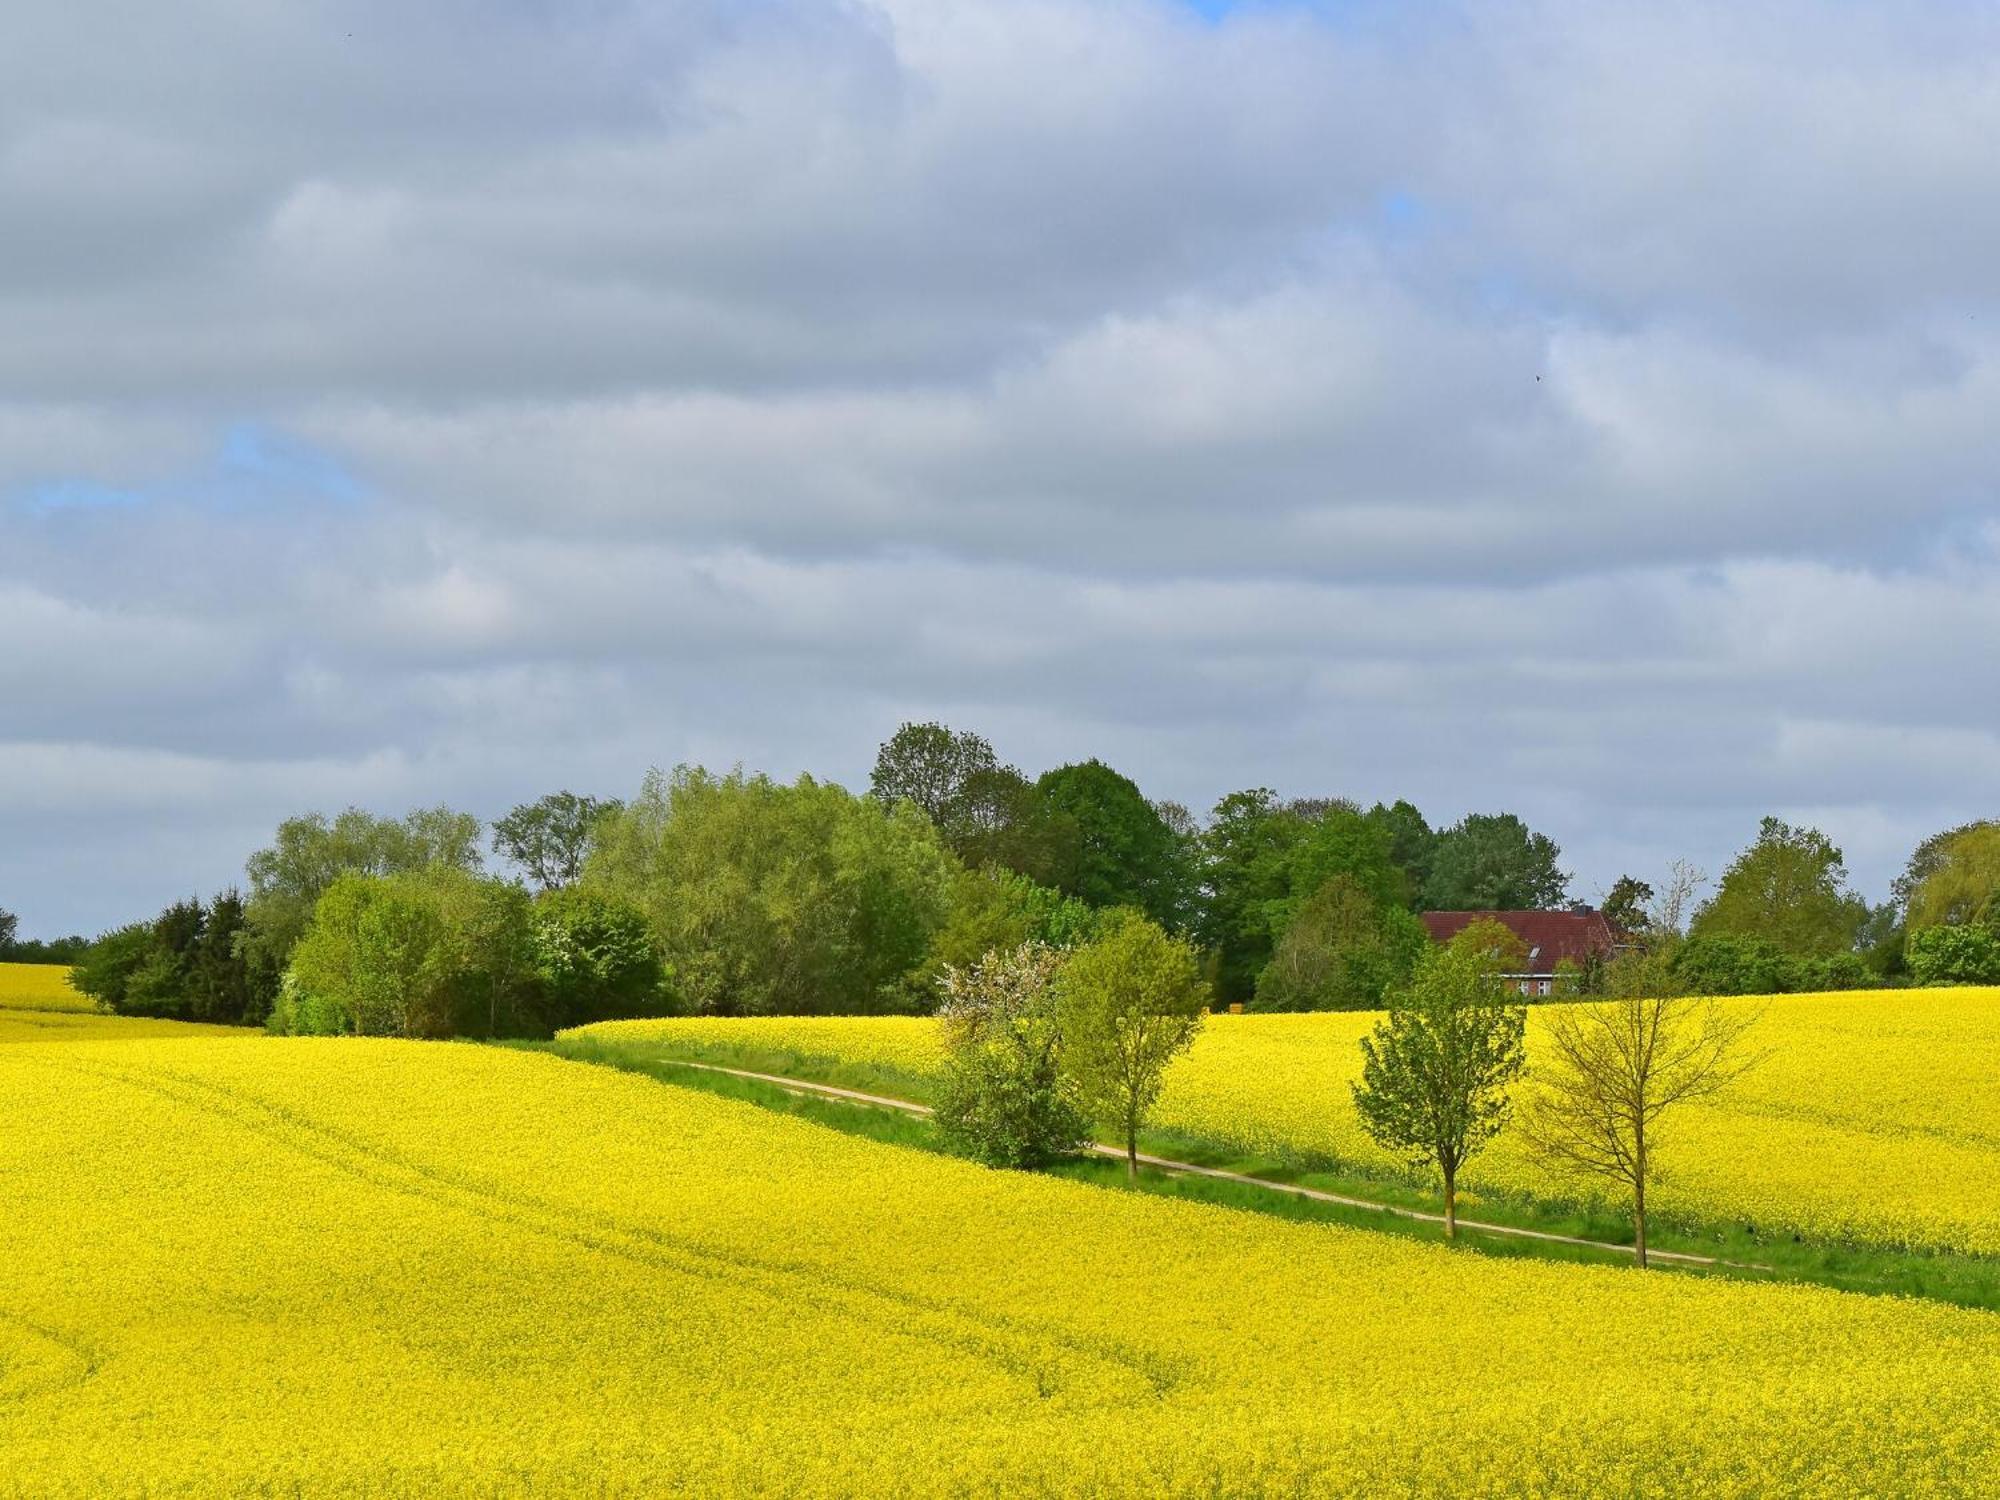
(1050, 1360)
(1192, 1169)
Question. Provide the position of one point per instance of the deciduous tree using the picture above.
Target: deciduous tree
(1128, 1003)
(1967, 954)
(595, 958)
(431, 953)
(550, 837)
(1343, 950)
(1342, 841)
(1925, 860)
(1125, 854)
(1412, 842)
(931, 765)
(1790, 888)
(310, 852)
(994, 910)
(1435, 1072)
(1627, 904)
(1609, 1072)
(1961, 883)
(1245, 866)
(1003, 1097)
(767, 898)
(1494, 862)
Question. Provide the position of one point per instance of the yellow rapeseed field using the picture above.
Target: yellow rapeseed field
(1874, 1119)
(69, 1026)
(340, 1267)
(39, 987)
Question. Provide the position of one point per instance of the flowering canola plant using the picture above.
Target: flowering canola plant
(67, 1026)
(39, 987)
(1873, 1117)
(361, 1267)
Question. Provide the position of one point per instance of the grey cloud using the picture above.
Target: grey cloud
(1579, 409)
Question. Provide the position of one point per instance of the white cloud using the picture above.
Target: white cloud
(1575, 408)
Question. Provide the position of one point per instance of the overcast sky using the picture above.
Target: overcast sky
(1581, 409)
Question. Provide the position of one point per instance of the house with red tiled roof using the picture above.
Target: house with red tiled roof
(1577, 935)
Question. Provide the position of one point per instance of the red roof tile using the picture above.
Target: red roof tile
(1551, 936)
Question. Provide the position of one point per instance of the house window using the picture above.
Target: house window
(1542, 988)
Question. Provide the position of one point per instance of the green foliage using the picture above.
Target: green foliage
(1128, 1003)
(1955, 955)
(1344, 950)
(107, 965)
(595, 958)
(1835, 971)
(1962, 882)
(220, 987)
(1881, 941)
(1789, 888)
(1436, 1070)
(1925, 860)
(1628, 906)
(436, 953)
(994, 910)
(986, 813)
(1002, 819)
(1728, 965)
(1125, 853)
(1245, 854)
(550, 838)
(185, 965)
(62, 950)
(1003, 1097)
(931, 765)
(10, 929)
(371, 963)
(1412, 842)
(1494, 862)
(1342, 841)
(310, 852)
(766, 899)
(1491, 944)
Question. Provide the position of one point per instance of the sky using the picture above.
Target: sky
(1585, 410)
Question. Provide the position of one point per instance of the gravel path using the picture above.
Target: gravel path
(1165, 1164)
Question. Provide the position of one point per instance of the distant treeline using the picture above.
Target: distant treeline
(13, 950)
(736, 894)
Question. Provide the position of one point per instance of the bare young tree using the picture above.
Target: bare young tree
(1607, 1072)
(1672, 906)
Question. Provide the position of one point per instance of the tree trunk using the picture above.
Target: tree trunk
(1131, 1146)
(1451, 1202)
(1639, 1193)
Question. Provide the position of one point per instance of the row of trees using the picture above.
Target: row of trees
(14, 949)
(1040, 1041)
(722, 894)
(1439, 1070)
(1784, 917)
(1342, 883)
(753, 896)
(359, 923)
(1310, 903)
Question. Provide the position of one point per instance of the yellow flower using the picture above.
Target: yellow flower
(254, 1266)
(1874, 1119)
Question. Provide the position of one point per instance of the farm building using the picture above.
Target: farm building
(1578, 935)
